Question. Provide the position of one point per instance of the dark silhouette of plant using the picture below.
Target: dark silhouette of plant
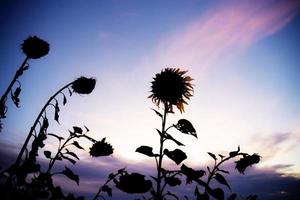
(26, 166)
(81, 85)
(217, 173)
(172, 87)
(34, 48)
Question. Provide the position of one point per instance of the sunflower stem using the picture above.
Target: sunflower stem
(19, 72)
(158, 189)
(18, 160)
(51, 163)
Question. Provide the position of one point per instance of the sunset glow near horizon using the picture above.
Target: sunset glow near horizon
(243, 56)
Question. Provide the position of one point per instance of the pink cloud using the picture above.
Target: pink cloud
(226, 29)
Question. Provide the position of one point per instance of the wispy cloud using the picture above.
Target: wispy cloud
(227, 29)
(276, 144)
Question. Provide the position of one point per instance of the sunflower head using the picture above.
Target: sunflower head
(101, 148)
(133, 183)
(171, 87)
(34, 47)
(84, 85)
(247, 161)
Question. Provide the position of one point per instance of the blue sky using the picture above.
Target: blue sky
(244, 57)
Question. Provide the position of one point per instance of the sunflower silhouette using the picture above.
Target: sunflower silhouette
(171, 87)
(34, 47)
(84, 85)
(101, 148)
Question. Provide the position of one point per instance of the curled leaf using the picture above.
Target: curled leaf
(76, 144)
(212, 155)
(64, 99)
(56, 112)
(169, 137)
(158, 113)
(186, 127)
(15, 96)
(72, 154)
(67, 158)
(234, 153)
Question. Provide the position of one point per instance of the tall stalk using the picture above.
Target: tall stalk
(159, 167)
(3, 99)
(30, 134)
(19, 72)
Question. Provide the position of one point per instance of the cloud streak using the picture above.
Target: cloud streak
(231, 27)
(276, 144)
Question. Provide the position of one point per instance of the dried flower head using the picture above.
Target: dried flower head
(101, 148)
(246, 161)
(133, 183)
(171, 87)
(34, 47)
(84, 85)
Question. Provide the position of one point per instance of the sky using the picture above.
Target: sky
(243, 56)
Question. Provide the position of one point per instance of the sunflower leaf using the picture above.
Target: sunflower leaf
(169, 137)
(70, 174)
(176, 155)
(107, 189)
(186, 127)
(56, 114)
(64, 99)
(212, 155)
(158, 113)
(47, 154)
(146, 150)
(217, 193)
(69, 159)
(15, 96)
(77, 129)
(76, 144)
(72, 154)
(221, 179)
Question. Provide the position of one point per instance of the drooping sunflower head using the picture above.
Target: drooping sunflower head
(84, 85)
(34, 47)
(171, 87)
(101, 148)
(133, 183)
